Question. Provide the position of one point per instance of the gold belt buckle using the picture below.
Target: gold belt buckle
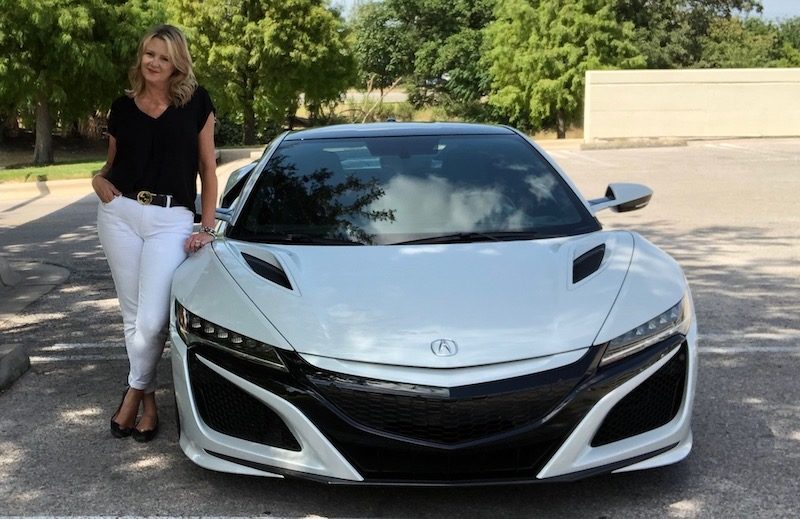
(144, 197)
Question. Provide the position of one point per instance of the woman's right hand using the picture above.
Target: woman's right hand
(105, 190)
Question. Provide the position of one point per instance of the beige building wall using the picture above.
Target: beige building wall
(629, 104)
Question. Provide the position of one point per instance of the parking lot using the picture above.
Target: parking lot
(728, 211)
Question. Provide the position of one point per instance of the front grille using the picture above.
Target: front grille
(653, 404)
(230, 410)
(450, 419)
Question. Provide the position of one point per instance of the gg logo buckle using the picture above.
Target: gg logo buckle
(144, 197)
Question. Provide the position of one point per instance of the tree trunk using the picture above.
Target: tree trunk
(43, 149)
(561, 125)
(249, 125)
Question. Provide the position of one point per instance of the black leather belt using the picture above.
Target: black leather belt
(148, 198)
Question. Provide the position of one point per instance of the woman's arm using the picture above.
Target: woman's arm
(208, 173)
(105, 190)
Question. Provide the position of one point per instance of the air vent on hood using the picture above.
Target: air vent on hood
(268, 271)
(587, 263)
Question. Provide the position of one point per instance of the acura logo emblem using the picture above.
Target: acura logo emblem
(444, 347)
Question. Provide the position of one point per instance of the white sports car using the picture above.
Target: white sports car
(419, 304)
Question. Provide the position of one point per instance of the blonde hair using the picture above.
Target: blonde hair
(182, 84)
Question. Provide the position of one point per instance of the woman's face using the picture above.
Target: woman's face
(157, 66)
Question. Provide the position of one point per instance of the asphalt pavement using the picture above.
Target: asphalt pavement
(726, 210)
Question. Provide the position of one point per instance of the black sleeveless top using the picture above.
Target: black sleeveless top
(160, 154)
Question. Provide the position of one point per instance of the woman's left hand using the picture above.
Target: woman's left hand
(197, 241)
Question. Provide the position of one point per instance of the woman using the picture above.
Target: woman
(161, 134)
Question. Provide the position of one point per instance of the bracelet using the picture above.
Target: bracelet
(210, 231)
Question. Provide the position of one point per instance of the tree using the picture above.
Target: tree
(669, 33)
(538, 52)
(64, 58)
(737, 43)
(258, 56)
(448, 36)
(383, 50)
(789, 32)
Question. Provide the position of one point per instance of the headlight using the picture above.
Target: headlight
(677, 319)
(196, 330)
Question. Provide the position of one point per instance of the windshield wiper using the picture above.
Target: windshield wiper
(469, 237)
(294, 237)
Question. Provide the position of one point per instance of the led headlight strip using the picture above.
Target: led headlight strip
(677, 319)
(196, 330)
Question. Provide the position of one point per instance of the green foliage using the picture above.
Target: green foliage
(228, 131)
(670, 33)
(258, 56)
(397, 111)
(789, 34)
(60, 50)
(737, 43)
(790, 31)
(539, 51)
(448, 37)
(65, 59)
(383, 50)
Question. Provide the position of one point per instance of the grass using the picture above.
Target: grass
(75, 158)
(83, 169)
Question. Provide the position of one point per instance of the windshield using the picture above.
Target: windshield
(415, 189)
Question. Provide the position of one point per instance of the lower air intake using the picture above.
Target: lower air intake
(653, 404)
(230, 410)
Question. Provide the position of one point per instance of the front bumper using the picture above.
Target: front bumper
(566, 423)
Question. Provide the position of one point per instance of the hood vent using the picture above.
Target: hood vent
(268, 271)
(587, 263)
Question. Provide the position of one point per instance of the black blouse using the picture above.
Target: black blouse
(161, 154)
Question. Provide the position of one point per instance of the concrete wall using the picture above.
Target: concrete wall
(630, 104)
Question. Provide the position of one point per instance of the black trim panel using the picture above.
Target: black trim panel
(515, 455)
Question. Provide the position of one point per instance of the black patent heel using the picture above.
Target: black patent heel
(145, 436)
(116, 430)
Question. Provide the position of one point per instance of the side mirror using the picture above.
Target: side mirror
(224, 213)
(622, 198)
(221, 213)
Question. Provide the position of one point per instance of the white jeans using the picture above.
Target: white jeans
(144, 246)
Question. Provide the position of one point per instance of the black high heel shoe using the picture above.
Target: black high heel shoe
(145, 436)
(116, 430)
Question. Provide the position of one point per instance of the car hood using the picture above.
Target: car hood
(497, 301)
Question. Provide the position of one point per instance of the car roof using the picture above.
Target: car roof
(397, 129)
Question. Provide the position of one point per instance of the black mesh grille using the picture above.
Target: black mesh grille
(444, 420)
(229, 410)
(651, 405)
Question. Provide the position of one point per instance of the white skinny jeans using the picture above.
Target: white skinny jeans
(144, 246)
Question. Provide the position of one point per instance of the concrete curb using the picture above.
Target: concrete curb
(34, 280)
(8, 277)
(617, 144)
(14, 362)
